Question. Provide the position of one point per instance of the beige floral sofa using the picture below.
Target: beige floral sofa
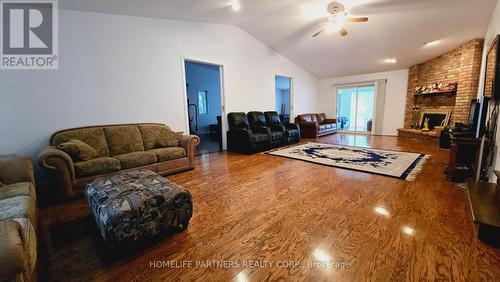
(79, 155)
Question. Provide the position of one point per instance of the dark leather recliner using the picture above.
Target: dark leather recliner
(291, 130)
(258, 119)
(243, 138)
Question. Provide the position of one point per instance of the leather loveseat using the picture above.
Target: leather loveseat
(115, 148)
(315, 125)
(18, 220)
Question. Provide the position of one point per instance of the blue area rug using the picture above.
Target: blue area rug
(402, 165)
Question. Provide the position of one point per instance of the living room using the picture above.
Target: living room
(355, 142)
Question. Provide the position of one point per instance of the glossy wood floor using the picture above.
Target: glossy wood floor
(354, 226)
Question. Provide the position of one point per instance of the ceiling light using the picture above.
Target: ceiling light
(431, 43)
(236, 6)
(339, 21)
(329, 27)
(382, 211)
(391, 61)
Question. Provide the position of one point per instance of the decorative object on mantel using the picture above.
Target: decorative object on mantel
(415, 117)
(426, 125)
(437, 89)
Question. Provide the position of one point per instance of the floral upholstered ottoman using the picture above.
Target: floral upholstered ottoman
(134, 206)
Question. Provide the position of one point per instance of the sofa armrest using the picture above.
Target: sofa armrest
(17, 170)
(189, 143)
(293, 126)
(331, 120)
(12, 253)
(54, 159)
(277, 128)
(261, 129)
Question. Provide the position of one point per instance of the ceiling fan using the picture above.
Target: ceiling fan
(337, 20)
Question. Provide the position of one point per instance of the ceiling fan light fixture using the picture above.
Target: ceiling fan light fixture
(330, 27)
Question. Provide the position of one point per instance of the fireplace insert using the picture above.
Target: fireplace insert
(436, 118)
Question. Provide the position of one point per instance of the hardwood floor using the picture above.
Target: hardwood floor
(363, 227)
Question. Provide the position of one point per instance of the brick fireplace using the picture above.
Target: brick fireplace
(460, 67)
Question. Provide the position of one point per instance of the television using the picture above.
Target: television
(492, 75)
(477, 116)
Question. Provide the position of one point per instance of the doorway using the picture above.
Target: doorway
(355, 105)
(283, 95)
(203, 88)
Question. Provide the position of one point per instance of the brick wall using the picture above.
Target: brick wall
(461, 66)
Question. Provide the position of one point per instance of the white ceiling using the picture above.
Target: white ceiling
(397, 28)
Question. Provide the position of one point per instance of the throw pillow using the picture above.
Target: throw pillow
(168, 138)
(78, 150)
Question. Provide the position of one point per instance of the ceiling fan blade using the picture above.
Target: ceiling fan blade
(343, 31)
(319, 32)
(356, 20)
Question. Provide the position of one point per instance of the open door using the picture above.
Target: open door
(283, 97)
(204, 100)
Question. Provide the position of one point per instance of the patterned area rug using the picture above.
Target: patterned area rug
(402, 165)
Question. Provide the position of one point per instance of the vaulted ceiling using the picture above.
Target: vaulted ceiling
(396, 29)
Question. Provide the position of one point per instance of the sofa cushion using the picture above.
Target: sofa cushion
(150, 134)
(123, 139)
(313, 118)
(170, 153)
(96, 167)
(18, 207)
(17, 189)
(293, 133)
(277, 135)
(325, 126)
(93, 136)
(306, 118)
(260, 137)
(78, 150)
(168, 138)
(136, 159)
(321, 117)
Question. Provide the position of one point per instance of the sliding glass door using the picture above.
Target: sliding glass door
(355, 107)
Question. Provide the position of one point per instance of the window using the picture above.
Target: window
(202, 102)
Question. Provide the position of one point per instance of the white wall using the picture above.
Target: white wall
(492, 31)
(395, 96)
(119, 69)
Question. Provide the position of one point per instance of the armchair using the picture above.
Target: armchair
(245, 139)
(258, 120)
(291, 130)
